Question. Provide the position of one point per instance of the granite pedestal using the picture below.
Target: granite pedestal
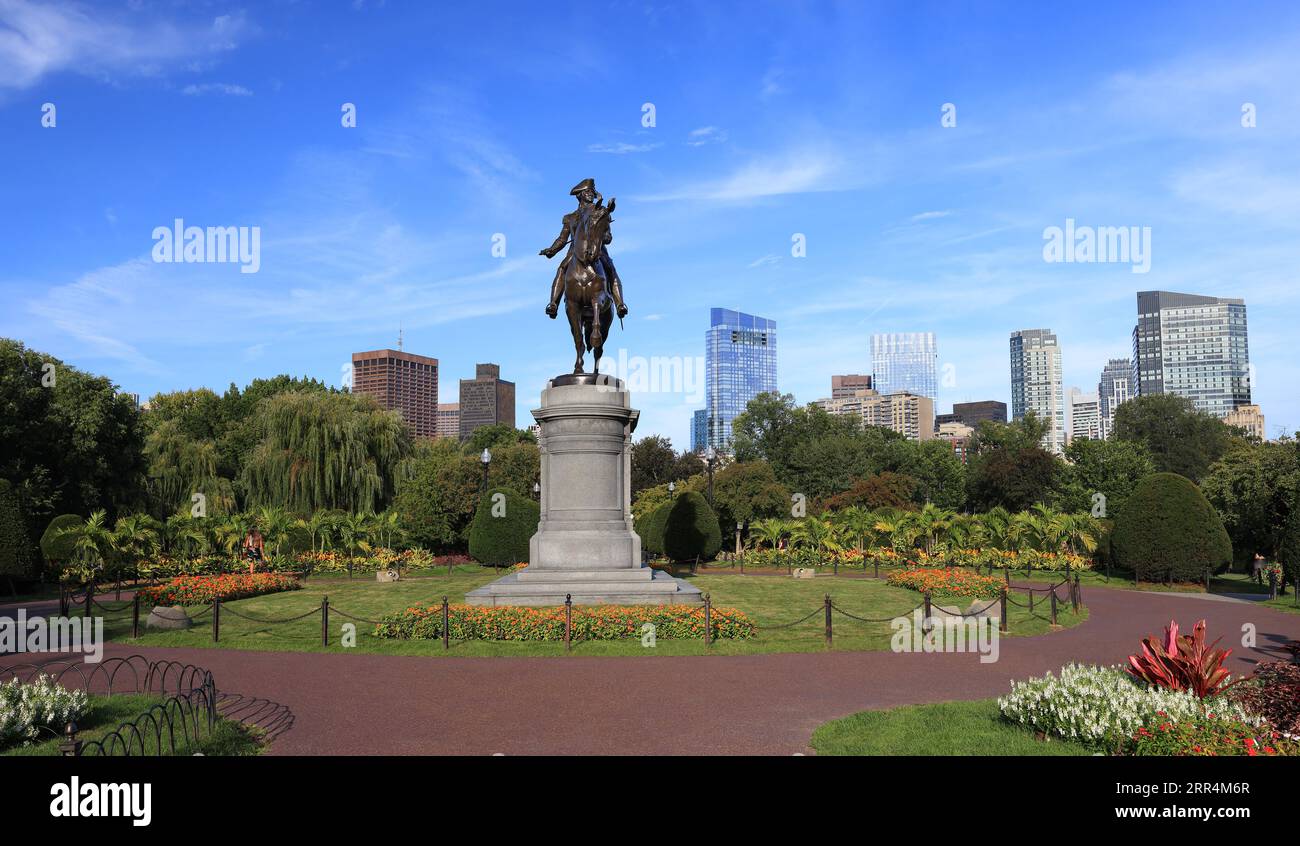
(585, 546)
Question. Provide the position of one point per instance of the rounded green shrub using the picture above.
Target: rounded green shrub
(651, 529)
(1288, 552)
(691, 529)
(56, 549)
(503, 524)
(1168, 531)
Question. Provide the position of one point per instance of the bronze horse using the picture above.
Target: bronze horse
(587, 301)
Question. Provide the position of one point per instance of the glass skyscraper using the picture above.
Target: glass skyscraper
(905, 361)
(1192, 346)
(739, 364)
(700, 430)
(1036, 383)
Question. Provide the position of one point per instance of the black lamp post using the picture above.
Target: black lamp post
(739, 526)
(672, 486)
(537, 491)
(486, 458)
(709, 458)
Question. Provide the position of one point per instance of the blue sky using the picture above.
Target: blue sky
(770, 120)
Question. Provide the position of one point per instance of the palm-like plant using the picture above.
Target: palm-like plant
(387, 529)
(769, 530)
(932, 523)
(816, 534)
(353, 533)
(135, 537)
(184, 535)
(92, 546)
(275, 524)
(1081, 532)
(858, 525)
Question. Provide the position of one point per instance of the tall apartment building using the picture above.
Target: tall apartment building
(1114, 388)
(972, 413)
(1085, 416)
(448, 420)
(845, 386)
(911, 415)
(739, 364)
(403, 382)
(1036, 383)
(485, 400)
(958, 435)
(1193, 346)
(905, 361)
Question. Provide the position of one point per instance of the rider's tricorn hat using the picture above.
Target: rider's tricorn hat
(584, 185)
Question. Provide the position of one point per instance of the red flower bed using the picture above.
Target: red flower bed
(200, 590)
(950, 581)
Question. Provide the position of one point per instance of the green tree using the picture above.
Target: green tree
(326, 451)
(1110, 468)
(437, 500)
(882, 490)
(1013, 479)
(496, 436)
(72, 443)
(745, 491)
(650, 527)
(504, 522)
(1254, 487)
(1169, 531)
(57, 546)
(1179, 438)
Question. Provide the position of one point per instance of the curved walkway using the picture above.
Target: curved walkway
(345, 704)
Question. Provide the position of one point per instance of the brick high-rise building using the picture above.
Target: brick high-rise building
(403, 382)
(485, 400)
(847, 385)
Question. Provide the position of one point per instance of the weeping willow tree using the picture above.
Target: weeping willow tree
(325, 451)
(181, 466)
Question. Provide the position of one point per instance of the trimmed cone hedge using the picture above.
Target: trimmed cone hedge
(691, 529)
(601, 622)
(1168, 531)
(502, 527)
(652, 529)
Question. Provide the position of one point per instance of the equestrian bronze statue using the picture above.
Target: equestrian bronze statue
(586, 277)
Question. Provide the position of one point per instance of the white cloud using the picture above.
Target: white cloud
(37, 40)
(621, 148)
(216, 88)
(706, 135)
(800, 172)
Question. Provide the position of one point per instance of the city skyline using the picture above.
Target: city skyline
(820, 188)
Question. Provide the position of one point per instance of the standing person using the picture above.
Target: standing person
(253, 548)
(1257, 571)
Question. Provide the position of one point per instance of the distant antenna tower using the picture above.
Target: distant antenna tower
(399, 337)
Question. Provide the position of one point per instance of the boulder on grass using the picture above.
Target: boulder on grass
(386, 575)
(162, 617)
(805, 573)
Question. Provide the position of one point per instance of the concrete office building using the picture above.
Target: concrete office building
(485, 400)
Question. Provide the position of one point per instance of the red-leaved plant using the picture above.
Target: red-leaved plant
(1183, 663)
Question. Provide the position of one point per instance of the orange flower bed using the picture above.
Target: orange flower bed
(201, 590)
(603, 622)
(948, 582)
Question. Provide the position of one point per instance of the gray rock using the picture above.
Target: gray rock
(162, 617)
(993, 610)
(805, 573)
(386, 575)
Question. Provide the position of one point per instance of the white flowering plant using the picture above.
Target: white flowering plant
(26, 707)
(1103, 706)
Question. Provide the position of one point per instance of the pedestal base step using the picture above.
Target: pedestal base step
(587, 587)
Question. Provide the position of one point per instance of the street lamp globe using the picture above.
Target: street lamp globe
(486, 456)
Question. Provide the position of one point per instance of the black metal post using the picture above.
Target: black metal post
(925, 623)
(446, 624)
(1006, 573)
(1207, 579)
(70, 747)
(829, 637)
(1078, 593)
(1031, 600)
(324, 621)
(216, 620)
(708, 620)
(135, 614)
(568, 622)
(1004, 624)
(90, 593)
(1053, 606)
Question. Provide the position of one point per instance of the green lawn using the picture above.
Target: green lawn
(769, 600)
(944, 728)
(106, 713)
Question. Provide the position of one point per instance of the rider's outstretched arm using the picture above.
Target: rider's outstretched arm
(558, 244)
